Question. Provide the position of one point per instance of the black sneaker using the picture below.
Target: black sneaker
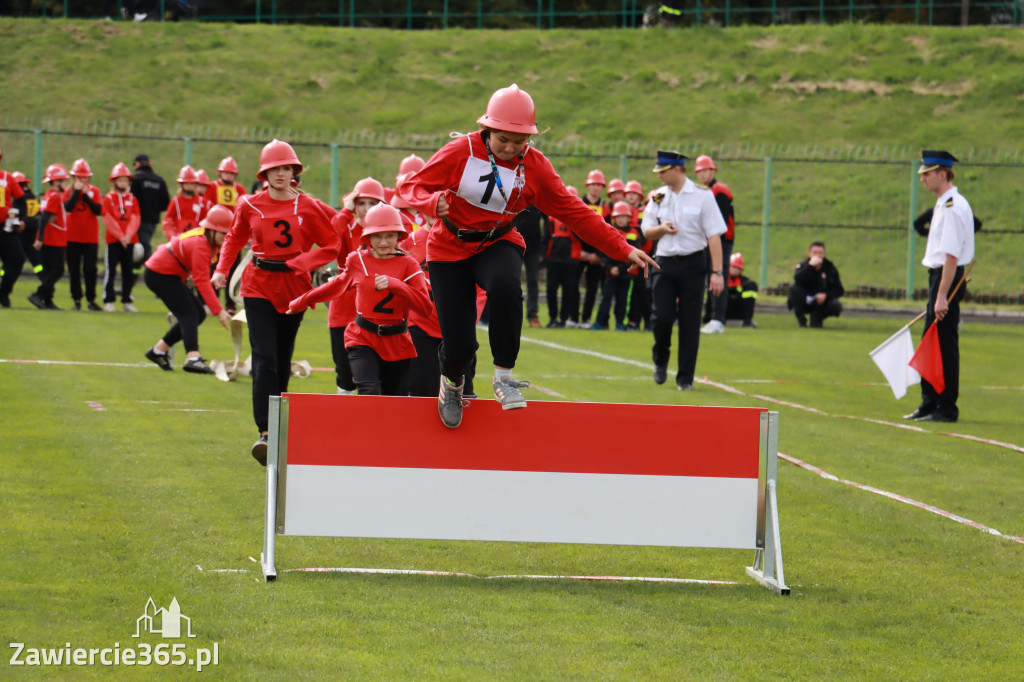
(77, 305)
(5, 301)
(259, 451)
(50, 305)
(37, 300)
(660, 374)
(162, 361)
(92, 306)
(197, 366)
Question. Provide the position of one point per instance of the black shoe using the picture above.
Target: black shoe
(917, 414)
(77, 305)
(750, 324)
(801, 322)
(259, 451)
(5, 301)
(162, 361)
(197, 366)
(37, 301)
(50, 305)
(683, 386)
(660, 374)
(937, 417)
(555, 324)
(92, 306)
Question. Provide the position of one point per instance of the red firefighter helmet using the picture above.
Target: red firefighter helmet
(510, 110)
(120, 171)
(396, 199)
(218, 219)
(595, 177)
(19, 177)
(278, 153)
(635, 187)
(382, 218)
(736, 260)
(227, 165)
(186, 174)
(202, 178)
(410, 165)
(616, 185)
(704, 162)
(56, 171)
(368, 188)
(621, 208)
(80, 169)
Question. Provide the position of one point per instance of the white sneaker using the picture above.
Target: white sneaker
(345, 391)
(109, 308)
(713, 327)
(129, 308)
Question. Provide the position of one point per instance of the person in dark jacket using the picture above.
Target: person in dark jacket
(816, 288)
(151, 191)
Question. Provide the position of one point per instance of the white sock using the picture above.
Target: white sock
(500, 373)
(157, 351)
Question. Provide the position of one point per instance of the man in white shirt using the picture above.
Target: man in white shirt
(950, 248)
(685, 219)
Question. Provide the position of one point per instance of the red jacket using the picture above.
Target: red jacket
(416, 246)
(183, 214)
(188, 254)
(461, 173)
(55, 233)
(83, 225)
(9, 191)
(280, 230)
(121, 217)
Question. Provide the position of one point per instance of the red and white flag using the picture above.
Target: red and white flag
(893, 357)
(928, 359)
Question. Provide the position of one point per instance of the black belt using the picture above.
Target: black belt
(270, 265)
(382, 329)
(484, 235)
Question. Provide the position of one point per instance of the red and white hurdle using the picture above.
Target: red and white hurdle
(659, 475)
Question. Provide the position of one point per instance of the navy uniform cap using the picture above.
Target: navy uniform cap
(667, 159)
(932, 159)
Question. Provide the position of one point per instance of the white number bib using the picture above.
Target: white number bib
(479, 188)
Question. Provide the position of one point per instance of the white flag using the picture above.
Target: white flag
(893, 358)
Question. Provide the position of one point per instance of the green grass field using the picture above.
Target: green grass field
(105, 508)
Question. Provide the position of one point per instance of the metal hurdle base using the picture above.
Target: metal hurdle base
(767, 568)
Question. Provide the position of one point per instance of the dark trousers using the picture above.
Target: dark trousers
(677, 295)
(53, 270)
(342, 369)
(741, 307)
(564, 276)
(146, 231)
(425, 369)
(640, 301)
(28, 238)
(12, 256)
(592, 275)
(531, 264)
(272, 339)
(717, 305)
(818, 311)
(375, 376)
(82, 262)
(496, 270)
(118, 255)
(614, 288)
(186, 306)
(229, 302)
(949, 345)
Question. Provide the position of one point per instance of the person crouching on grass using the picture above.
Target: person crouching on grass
(188, 255)
(479, 186)
(387, 283)
(283, 224)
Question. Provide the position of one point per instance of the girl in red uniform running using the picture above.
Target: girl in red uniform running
(188, 254)
(283, 224)
(478, 186)
(387, 283)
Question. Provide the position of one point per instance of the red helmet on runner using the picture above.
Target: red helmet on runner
(227, 165)
(621, 208)
(410, 165)
(120, 171)
(736, 260)
(80, 169)
(19, 177)
(218, 219)
(275, 154)
(383, 218)
(510, 110)
(56, 171)
(202, 178)
(704, 162)
(635, 187)
(368, 188)
(595, 177)
(186, 174)
(616, 185)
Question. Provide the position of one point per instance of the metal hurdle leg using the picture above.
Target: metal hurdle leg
(270, 531)
(767, 568)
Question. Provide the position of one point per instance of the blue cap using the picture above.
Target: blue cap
(932, 159)
(667, 159)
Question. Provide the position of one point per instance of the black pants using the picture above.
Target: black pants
(28, 238)
(681, 278)
(187, 308)
(949, 345)
(146, 231)
(496, 270)
(53, 270)
(592, 275)
(82, 262)
(818, 311)
(118, 255)
(229, 302)
(272, 339)
(564, 276)
(741, 303)
(12, 256)
(375, 376)
(614, 288)
(716, 306)
(425, 369)
(640, 301)
(342, 369)
(531, 263)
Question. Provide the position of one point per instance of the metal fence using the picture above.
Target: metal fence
(860, 201)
